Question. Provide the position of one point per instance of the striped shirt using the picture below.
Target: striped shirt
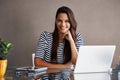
(43, 52)
(44, 46)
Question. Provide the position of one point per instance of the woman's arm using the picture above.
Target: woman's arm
(40, 63)
(74, 50)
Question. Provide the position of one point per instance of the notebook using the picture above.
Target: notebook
(94, 58)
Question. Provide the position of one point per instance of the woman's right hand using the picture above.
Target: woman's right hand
(68, 64)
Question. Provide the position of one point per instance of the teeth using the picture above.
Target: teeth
(63, 28)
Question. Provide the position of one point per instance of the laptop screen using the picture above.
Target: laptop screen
(94, 58)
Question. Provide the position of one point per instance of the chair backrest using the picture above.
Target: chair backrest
(33, 56)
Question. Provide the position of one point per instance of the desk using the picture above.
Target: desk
(63, 74)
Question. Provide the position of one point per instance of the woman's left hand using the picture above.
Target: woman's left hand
(68, 36)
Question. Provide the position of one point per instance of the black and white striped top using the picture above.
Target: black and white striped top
(43, 51)
(44, 46)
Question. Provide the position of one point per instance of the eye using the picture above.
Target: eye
(59, 20)
(67, 21)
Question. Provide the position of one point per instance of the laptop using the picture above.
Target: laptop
(92, 76)
(94, 58)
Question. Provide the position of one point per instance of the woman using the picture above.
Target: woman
(60, 48)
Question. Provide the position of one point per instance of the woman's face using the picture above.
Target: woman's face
(63, 23)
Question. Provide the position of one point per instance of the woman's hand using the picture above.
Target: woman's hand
(68, 36)
(68, 64)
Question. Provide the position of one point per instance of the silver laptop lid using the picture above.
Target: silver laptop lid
(94, 58)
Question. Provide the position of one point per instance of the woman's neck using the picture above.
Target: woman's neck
(61, 37)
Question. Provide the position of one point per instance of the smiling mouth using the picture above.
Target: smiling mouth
(63, 28)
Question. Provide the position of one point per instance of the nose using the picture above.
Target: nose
(63, 24)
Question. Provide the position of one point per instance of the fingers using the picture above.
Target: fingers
(68, 36)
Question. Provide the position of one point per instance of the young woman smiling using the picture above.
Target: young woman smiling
(59, 49)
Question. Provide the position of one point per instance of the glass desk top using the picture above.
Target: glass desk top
(58, 74)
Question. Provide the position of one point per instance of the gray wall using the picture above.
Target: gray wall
(22, 21)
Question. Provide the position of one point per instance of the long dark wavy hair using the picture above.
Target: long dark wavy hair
(73, 26)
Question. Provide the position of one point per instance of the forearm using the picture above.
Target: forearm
(40, 63)
(74, 52)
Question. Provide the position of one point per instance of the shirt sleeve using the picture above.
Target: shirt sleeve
(40, 51)
(79, 41)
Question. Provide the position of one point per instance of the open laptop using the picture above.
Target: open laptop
(94, 58)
